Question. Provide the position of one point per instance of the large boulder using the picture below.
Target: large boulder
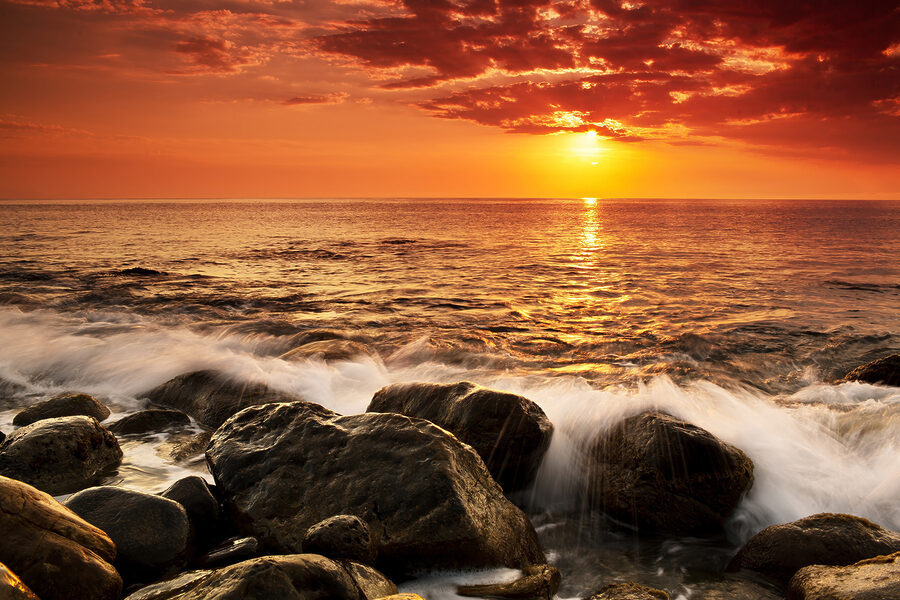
(662, 474)
(510, 433)
(885, 371)
(211, 396)
(778, 551)
(629, 591)
(60, 455)
(871, 579)
(290, 577)
(64, 405)
(428, 499)
(341, 536)
(151, 533)
(152, 420)
(58, 555)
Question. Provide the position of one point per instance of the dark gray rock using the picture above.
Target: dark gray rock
(60, 455)
(232, 550)
(53, 551)
(871, 579)
(201, 506)
(629, 591)
(662, 474)
(211, 397)
(341, 536)
(64, 405)
(151, 533)
(151, 420)
(779, 551)
(885, 371)
(538, 582)
(510, 433)
(290, 577)
(428, 499)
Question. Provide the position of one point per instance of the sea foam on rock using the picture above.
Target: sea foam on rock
(289, 577)
(428, 499)
(63, 405)
(60, 455)
(56, 553)
(778, 551)
(212, 396)
(510, 432)
(151, 533)
(885, 371)
(662, 474)
(871, 579)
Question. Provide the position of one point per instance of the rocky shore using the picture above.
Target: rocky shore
(308, 503)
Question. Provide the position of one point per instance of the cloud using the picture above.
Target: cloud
(316, 99)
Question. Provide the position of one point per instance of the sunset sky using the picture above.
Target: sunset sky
(294, 98)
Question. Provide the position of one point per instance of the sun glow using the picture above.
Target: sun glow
(587, 146)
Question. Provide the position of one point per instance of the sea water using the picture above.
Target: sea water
(738, 316)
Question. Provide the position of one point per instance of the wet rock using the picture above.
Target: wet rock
(151, 533)
(12, 588)
(58, 555)
(871, 579)
(341, 536)
(290, 577)
(662, 474)
(328, 350)
(629, 591)
(201, 506)
(64, 405)
(510, 433)
(141, 272)
(402, 597)
(211, 397)
(885, 371)
(182, 448)
(230, 551)
(779, 551)
(60, 455)
(539, 582)
(151, 420)
(428, 499)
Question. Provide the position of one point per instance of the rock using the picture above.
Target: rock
(778, 551)
(58, 555)
(662, 474)
(540, 582)
(64, 405)
(341, 536)
(151, 533)
(60, 455)
(402, 597)
(152, 420)
(871, 579)
(211, 397)
(328, 350)
(290, 577)
(12, 588)
(230, 551)
(428, 499)
(201, 506)
(629, 591)
(182, 448)
(510, 433)
(885, 371)
(141, 272)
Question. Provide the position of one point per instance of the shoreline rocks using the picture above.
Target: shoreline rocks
(151, 420)
(871, 579)
(63, 405)
(884, 371)
(428, 499)
(510, 432)
(538, 582)
(341, 536)
(663, 474)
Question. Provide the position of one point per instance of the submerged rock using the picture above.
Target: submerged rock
(211, 396)
(871, 579)
(663, 474)
(510, 432)
(151, 533)
(64, 405)
(57, 554)
(329, 350)
(149, 421)
(12, 588)
(629, 591)
(778, 551)
(341, 536)
(428, 499)
(290, 577)
(60, 455)
(885, 371)
(201, 506)
(539, 582)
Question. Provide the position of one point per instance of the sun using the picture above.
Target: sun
(587, 146)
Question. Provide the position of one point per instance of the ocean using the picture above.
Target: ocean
(739, 316)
